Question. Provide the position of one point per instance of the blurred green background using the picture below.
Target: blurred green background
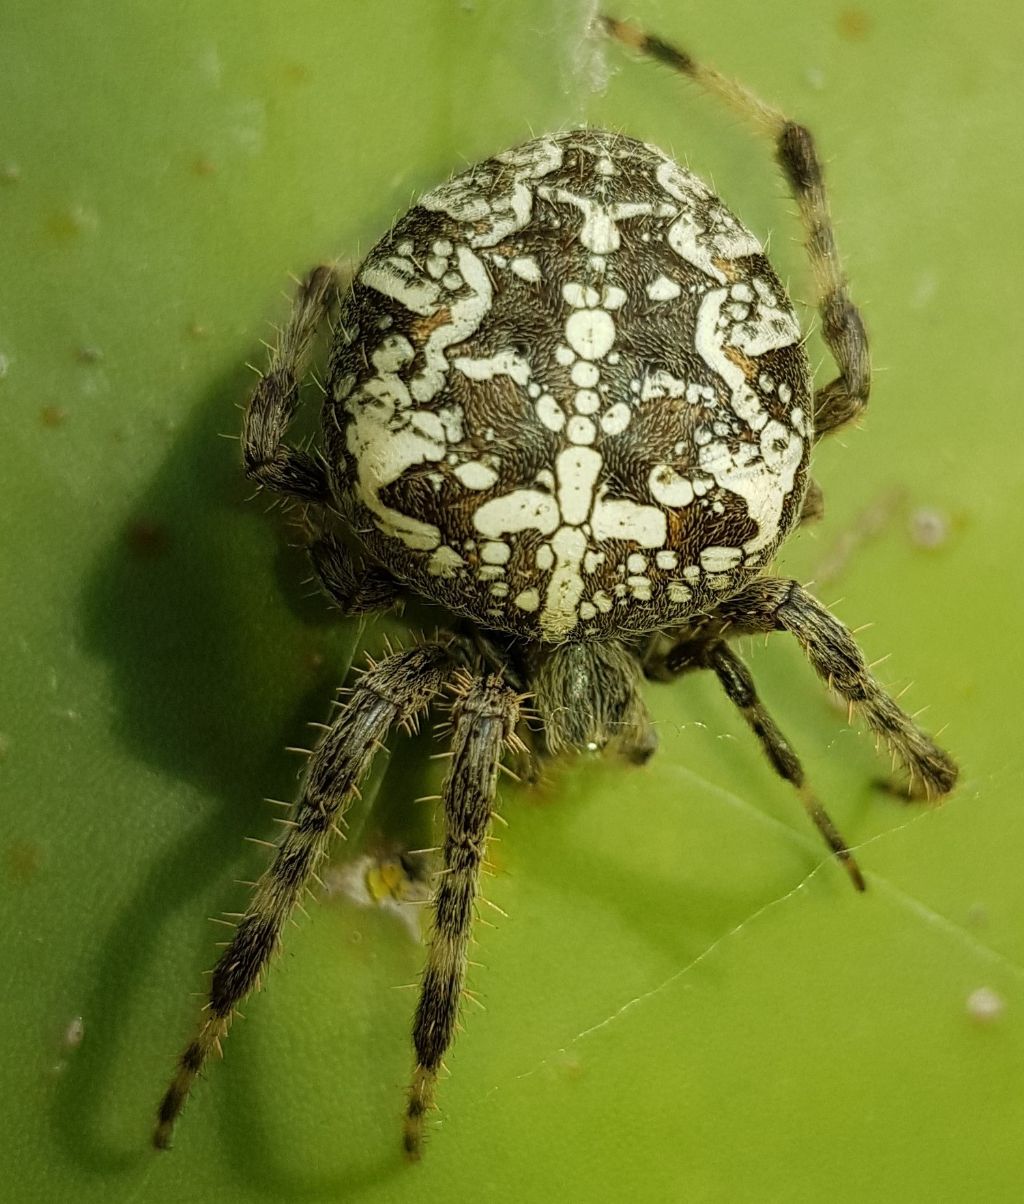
(685, 1001)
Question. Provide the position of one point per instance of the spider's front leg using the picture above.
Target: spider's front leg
(267, 458)
(842, 399)
(485, 716)
(774, 605)
(394, 691)
(353, 585)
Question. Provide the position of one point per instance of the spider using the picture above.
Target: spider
(568, 403)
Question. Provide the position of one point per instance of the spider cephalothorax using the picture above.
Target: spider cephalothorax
(567, 402)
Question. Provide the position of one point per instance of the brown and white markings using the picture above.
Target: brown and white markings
(568, 403)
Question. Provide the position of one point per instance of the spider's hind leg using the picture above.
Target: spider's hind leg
(484, 719)
(275, 400)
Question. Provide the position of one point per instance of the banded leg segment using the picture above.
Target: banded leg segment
(765, 606)
(267, 458)
(485, 716)
(739, 687)
(842, 399)
(394, 691)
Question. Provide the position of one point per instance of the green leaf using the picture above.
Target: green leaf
(686, 1000)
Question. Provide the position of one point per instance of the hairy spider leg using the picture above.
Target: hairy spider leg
(275, 400)
(392, 692)
(354, 586)
(842, 399)
(485, 715)
(739, 687)
(765, 606)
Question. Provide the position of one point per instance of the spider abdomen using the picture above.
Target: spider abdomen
(568, 396)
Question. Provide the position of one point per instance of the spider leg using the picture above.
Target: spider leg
(485, 715)
(778, 605)
(842, 399)
(267, 458)
(393, 691)
(353, 587)
(739, 687)
(813, 508)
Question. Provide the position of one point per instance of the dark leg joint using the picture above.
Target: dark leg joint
(784, 761)
(797, 158)
(320, 286)
(669, 55)
(167, 1113)
(629, 35)
(293, 473)
(839, 318)
(353, 589)
(685, 657)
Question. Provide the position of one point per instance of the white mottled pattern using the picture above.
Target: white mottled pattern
(661, 288)
(504, 363)
(590, 333)
(669, 488)
(475, 475)
(614, 402)
(521, 510)
(401, 280)
(465, 315)
(722, 238)
(489, 221)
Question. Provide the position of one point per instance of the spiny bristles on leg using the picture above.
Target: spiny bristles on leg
(772, 605)
(484, 715)
(460, 685)
(389, 692)
(189, 1065)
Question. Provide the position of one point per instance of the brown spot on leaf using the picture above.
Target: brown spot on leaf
(22, 860)
(854, 24)
(52, 416)
(147, 538)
